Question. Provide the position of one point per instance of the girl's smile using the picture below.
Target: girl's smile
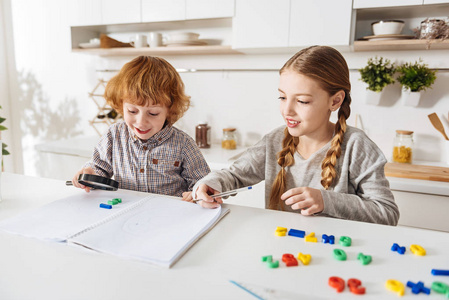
(292, 123)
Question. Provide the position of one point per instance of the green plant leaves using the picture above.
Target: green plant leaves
(378, 73)
(416, 77)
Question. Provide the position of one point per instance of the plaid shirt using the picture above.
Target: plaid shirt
(168, 163)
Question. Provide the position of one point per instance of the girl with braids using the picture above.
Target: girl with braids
(311, 165)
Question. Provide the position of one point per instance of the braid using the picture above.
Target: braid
(286, 159)
(329, 173)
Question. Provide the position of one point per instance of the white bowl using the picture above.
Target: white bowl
(183, 36)
(387, 27)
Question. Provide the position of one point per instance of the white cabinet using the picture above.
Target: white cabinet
(120, 12)
(384, 3)
(85, 12)
(205, 9)
(261, 23)
(310, 24)
(163, 10)
(174, 10)
(422, 210)
(435, 1)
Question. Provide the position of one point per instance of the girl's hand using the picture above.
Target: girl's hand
(309, 200)
(203, 193)
(75, 182)
(187, 196)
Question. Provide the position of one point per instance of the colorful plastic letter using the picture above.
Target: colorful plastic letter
(289, 260)
(328, 239)
(281, 231)
(364, 259)
(418, 250)
(304, 258)
(337, 283)
(107, 206)
(339, 254)
(297, 233)
(269, 260)
(398, 249)
(311, 238)
(440, 287)
(440, 272)
(418, 287)
(395, 286)
(355, 286)
(345, 241)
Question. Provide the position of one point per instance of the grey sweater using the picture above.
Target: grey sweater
(360, 192)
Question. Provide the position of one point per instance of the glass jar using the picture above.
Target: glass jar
(202, 135)
(229, 140)
(403, 147)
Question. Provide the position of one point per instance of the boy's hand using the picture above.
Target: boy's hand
(309, 200)
(187, 196)
(75, 182)
(203, 192)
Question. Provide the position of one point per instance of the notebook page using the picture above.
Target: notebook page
(157, 231)
(63, 218)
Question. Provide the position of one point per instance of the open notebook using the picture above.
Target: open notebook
(157, 229)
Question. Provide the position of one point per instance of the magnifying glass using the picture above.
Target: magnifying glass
(96, 182)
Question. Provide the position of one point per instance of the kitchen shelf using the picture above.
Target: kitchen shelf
(186, 50)
(387, 45)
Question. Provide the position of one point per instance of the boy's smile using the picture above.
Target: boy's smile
(144, 121)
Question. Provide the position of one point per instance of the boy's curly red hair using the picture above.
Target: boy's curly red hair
(148, 80)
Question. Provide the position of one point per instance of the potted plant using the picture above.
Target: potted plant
(415, 78)
(378, 73)
(4, 151)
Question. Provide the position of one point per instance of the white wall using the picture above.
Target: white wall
(54, 83)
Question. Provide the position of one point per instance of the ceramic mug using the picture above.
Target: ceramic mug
(155, 39)
(140, 41)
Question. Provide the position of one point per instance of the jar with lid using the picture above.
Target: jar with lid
(403, 147)
(229, 140)
(202, 135)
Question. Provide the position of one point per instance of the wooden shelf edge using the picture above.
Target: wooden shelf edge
(395, 45)
(187, 50)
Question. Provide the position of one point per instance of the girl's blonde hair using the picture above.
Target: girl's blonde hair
(146, 81)
(328, 67)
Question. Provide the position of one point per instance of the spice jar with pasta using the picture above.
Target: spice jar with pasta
(229, 140)
(403, 147)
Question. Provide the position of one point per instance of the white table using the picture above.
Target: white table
(33, 269)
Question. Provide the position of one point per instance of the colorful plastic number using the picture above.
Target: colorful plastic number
(345, 241)
(289, 260)
(395, 286)
(304, 258)
(355, 286)
(281, 231)
(337, 283)
(339, 254)
(364, 259)
(311, 238)
(270, 263)
(418, 250)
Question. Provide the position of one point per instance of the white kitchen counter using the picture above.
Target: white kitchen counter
(232, 250)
